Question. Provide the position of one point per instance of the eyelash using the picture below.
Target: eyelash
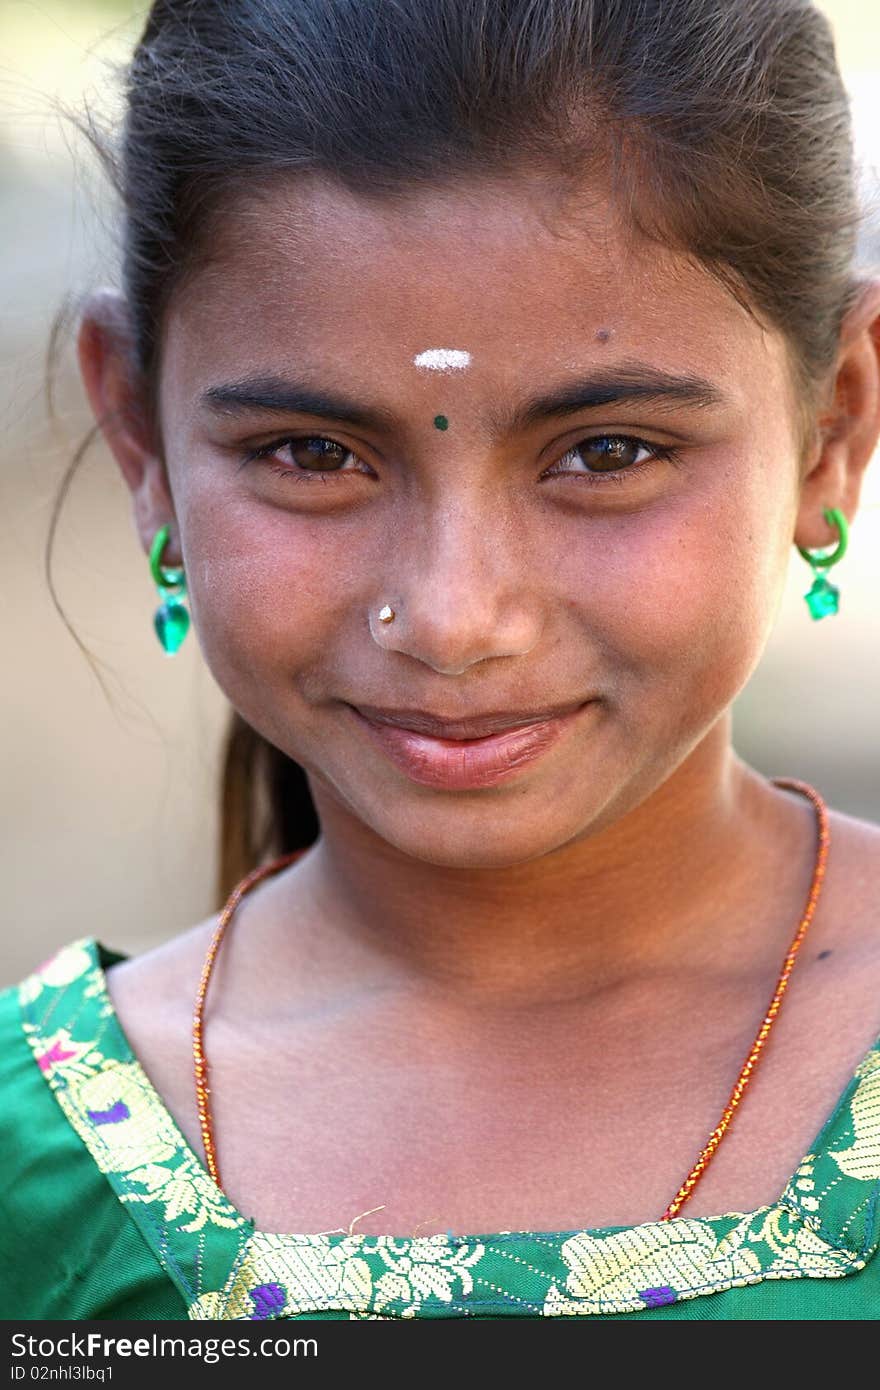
(658, 453)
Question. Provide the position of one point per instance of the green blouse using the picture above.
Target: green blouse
(106, 1212)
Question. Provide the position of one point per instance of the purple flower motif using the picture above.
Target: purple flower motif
(656, 1298)
(117, 1112)
(269, 1299)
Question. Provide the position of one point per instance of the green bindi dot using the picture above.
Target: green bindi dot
(441, 422)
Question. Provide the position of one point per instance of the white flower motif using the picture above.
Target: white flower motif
(62, 968)
(424, 1267)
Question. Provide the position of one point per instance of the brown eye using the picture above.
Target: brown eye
(612, 458)
(316, 454)
(609, 452)
(313, 456)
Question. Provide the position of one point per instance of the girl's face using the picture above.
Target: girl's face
(567, 460)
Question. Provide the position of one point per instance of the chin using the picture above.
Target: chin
(491, 839)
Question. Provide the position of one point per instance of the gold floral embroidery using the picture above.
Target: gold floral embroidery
(181, 1193)
(116, 1112)
(283, 1276)
(113, 1109)
(862, 1158)
(280, 1276)
(424, 1267)
(797, 1248)
(58, 971)
(646, 1266)
(59, 1054)
(226, 1271)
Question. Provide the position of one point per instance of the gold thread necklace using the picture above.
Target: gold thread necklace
(200, 1060)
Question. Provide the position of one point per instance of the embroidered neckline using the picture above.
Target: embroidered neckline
(824, 1223)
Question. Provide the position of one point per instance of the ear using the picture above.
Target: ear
(849, 426)
(118, 398)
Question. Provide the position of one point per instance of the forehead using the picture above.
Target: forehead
(516, 273)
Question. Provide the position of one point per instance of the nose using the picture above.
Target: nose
(461, 589)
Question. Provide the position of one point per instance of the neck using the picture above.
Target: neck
(685, 879)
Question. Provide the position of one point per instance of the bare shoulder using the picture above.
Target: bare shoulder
(856, 843)
(853, 879)
(854, 832)
(166, 973)
(152, 995)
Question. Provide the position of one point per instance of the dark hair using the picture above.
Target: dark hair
(723, 126)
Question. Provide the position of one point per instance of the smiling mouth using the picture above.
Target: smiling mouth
(468, 728)
(467, 763)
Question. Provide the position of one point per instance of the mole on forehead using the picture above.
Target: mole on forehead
(442, 359)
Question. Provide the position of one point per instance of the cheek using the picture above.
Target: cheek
(270, 592)
(685, 595)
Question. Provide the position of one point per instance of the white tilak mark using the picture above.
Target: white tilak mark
(442, 359)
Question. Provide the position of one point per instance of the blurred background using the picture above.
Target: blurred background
(110, 810)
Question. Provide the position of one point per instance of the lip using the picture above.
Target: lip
(462, 764)
(472, 727)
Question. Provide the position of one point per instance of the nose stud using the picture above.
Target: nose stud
(386, 614)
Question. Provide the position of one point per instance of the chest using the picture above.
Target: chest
(556, 1123)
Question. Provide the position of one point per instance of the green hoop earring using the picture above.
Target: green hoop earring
(171, 619)
(823, 597)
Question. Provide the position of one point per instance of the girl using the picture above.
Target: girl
(476, 369)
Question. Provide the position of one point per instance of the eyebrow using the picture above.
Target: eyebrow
(273, 395)
(623, 385)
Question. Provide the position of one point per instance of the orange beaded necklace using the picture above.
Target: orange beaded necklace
(200, 1060)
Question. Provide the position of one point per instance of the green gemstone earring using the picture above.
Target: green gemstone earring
(171, 619)
(823, 597)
